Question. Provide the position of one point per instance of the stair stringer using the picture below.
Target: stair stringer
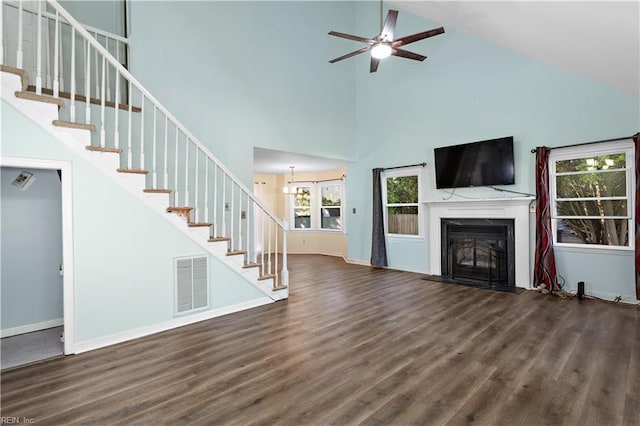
(77, 140)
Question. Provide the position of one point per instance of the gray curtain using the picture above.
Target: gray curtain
(378, 246)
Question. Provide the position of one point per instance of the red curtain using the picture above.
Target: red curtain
(544, 272)
(636, 143)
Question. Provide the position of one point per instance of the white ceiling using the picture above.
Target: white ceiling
(277, 162)
(599, 40)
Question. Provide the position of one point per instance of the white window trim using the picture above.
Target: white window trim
(316, 205)
(408, 171)
(587, 151)
(324, 184)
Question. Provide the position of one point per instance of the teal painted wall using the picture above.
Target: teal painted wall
(469, 90)
(30, 248)
(245, 74)
(123, 251)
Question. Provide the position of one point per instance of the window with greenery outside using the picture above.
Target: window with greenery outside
(592, 202)
(402, 205)
(330, 217)
(302, 208)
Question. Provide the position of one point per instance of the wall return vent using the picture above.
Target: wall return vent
(192, 284)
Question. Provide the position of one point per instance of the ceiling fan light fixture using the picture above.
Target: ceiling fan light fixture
(381, 50)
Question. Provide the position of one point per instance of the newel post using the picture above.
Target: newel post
(285, 271)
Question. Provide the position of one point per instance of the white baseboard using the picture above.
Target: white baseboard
(356, 262)
(28, 328)
(174, 323)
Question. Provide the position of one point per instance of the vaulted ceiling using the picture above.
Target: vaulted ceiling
(599, 40)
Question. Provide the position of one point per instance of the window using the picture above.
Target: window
(330, 206)
(318, 206)
(591, 189)
(401, 197)
(302, 208)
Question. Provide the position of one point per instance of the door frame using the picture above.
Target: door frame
(68, 278)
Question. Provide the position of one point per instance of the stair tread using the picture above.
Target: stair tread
(39, 98)
(251, 265)
(135, 171)
(235, 252)
(197, 224)
(218, 239)
(74, 125)
(266, 277)
(156, 191)
(80, 98)
(279, 287)
(103, 149)
(179, 209)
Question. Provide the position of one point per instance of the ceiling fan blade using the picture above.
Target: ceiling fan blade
(348, 55)
(374, 64)
(407, 54)
(403, 41)
(352, 37)
(389, 26)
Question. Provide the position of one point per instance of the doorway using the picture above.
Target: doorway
(37, 260)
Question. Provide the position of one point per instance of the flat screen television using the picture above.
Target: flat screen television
(482, 163)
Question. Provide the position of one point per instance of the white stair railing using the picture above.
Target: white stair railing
(129, 118)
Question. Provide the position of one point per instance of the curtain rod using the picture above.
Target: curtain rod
(408, 165)
(343, 177)
(587, 143)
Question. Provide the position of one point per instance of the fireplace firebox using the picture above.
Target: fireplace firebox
(479, 252)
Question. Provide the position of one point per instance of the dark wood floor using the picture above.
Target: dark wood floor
(358, 345)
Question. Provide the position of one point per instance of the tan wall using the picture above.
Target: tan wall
(309, 242)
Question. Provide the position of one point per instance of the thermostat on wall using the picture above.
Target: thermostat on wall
(24, 180)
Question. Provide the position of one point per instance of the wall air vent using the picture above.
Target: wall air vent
(192, 284)
(24, 180)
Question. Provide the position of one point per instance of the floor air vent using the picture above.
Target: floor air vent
(191, 284)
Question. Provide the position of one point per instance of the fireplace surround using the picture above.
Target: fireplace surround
(518, 209)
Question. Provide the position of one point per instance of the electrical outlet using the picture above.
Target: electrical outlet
(532, 208)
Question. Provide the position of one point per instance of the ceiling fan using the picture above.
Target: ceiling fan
(384, 44)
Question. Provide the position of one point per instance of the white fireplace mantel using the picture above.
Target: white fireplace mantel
(516, 208)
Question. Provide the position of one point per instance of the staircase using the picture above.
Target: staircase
(102, 112)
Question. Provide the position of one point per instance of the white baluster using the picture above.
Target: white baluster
(165, 168)
(175, 173)
(154, 152)
(142, 160)
(196, 206)
(39, 51)
(224, 204)
(61, 85)
(240, 220)
(206, 189)
(106, 42)
(56, 59)
(72, 106)
(262, 264)
(234, 242)
(96, 67)
(186, 172)
(215, 199)
(19, 51)
(87, 84)
(269, 222)
(102, 102)
(116, 112)
(129, 128)
(275, 269)
(47, 52)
